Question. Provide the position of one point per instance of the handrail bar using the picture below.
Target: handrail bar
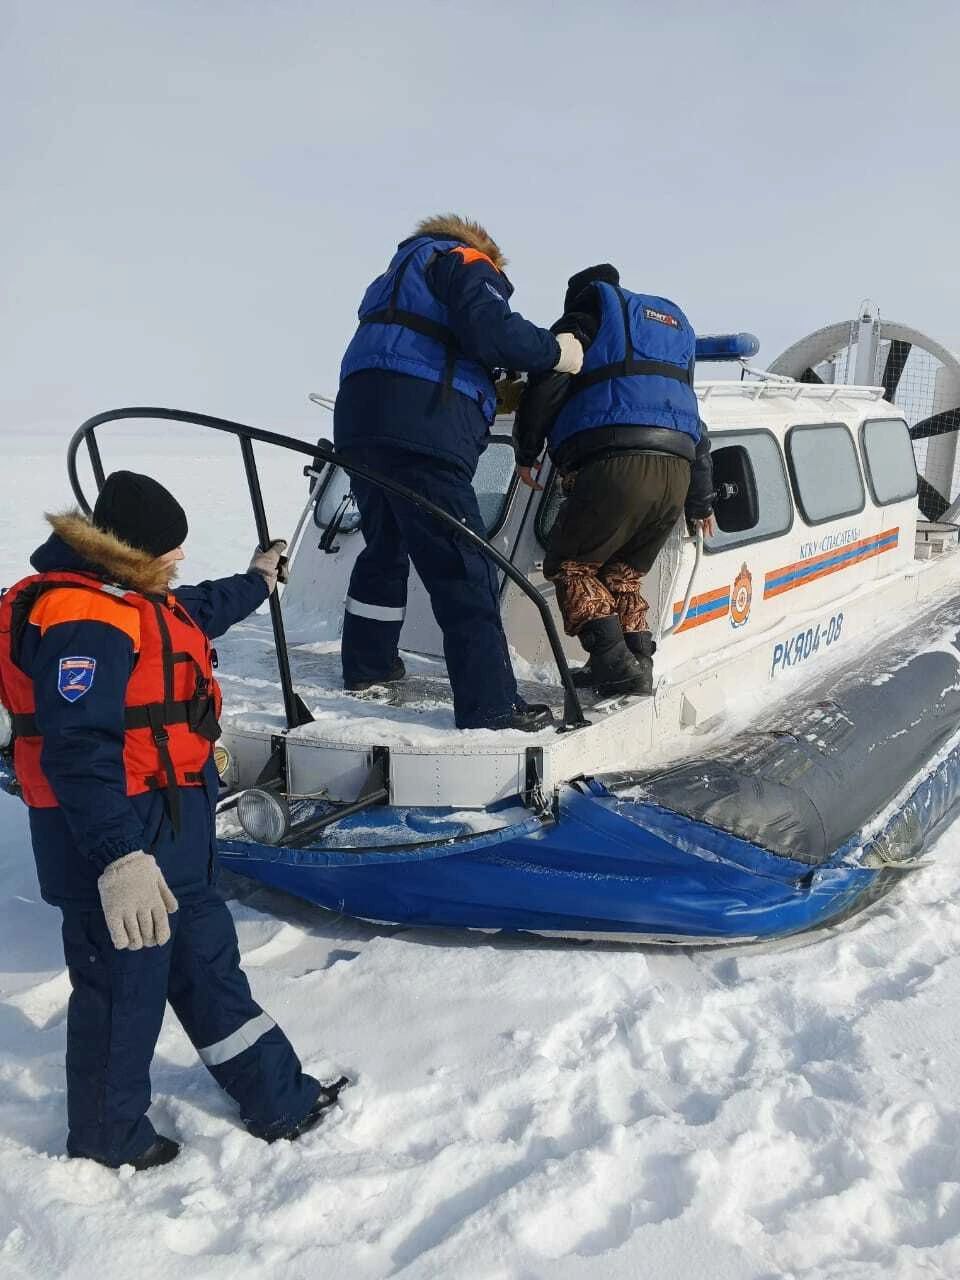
(573, 717)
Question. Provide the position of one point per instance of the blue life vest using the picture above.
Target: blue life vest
(404, 328)
(638, 370)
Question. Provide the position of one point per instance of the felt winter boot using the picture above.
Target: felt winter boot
(396, 673)
(643, 646)
(614, 671)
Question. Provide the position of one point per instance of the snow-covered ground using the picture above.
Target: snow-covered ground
(522, 1109)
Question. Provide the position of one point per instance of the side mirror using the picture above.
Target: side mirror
(735, 506)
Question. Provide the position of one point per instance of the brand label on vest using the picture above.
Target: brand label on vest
(75, 677)
(661, 317)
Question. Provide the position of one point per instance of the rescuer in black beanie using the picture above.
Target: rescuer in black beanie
(141, 512)
(603, 271)
(116, 671)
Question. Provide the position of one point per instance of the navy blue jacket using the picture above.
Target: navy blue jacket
(405, 328)
(387, 408)
(82, 758)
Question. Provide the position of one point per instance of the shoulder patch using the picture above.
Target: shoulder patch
(661, 317)
(490, 289)
(75, 677)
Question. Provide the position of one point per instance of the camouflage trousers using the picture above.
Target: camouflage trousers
(619, 512)
(586, 592)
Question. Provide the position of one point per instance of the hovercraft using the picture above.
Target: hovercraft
(799, 755)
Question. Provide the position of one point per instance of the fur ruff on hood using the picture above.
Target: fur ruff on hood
(449, 226)
(119, 562)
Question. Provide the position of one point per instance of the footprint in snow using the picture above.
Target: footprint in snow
(45, 1005)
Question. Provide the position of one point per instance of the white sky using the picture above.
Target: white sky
(195, 194)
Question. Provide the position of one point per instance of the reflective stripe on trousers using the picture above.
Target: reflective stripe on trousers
(375, 612)
(245, 1037)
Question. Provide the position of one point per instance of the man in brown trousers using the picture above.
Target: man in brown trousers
(626, 436)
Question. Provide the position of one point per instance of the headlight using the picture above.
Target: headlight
(269, 817)
(6, 728)
(264, 816)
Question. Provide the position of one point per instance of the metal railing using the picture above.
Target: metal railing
(296, 711)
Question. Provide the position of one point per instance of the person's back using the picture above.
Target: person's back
(416, 401)
(635, 389)
(626, 436)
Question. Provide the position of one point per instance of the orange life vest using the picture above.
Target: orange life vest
(173, 701)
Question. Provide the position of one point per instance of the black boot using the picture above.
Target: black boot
(643, 646)
(614, 670)
(396, 673)
(161, 1151)
(530, 717)
(582, 676)
(329, 1093)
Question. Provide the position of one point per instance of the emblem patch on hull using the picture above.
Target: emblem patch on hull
(741, 597)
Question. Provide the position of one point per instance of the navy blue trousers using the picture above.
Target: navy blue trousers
(462, 584)
(114, 1018)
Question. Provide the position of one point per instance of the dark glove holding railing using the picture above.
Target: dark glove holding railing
(509, 389)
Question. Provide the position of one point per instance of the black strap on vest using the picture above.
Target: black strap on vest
(631, 366)
(410, 320)
(392, 314)
(197, 712)
(156, 719)
(157, 784)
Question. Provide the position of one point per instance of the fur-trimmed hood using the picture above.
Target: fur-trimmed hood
(449, 226)
(104, 554)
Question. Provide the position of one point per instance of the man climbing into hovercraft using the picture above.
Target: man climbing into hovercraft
(416, 402)
(633, 454)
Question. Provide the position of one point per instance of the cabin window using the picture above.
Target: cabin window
(753, 495)
(334, 503)
(495, 483)
(825, 472)
(888, 460)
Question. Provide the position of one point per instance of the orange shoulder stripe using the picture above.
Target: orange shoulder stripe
(474, 255)
(75, 604)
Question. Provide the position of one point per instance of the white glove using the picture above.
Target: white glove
(571, 354)
(270, 564)
(136, 901)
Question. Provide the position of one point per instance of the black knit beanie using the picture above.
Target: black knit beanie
(140, 512)
(590, 275)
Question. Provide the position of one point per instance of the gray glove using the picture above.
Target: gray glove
(270, 564)
(136, 900)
